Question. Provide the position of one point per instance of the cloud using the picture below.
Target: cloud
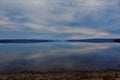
(6, 24)
(59, 10)
(77, 31)
(80, 18)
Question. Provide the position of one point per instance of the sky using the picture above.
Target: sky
(59, 19)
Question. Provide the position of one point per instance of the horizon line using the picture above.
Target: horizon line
(92, 40)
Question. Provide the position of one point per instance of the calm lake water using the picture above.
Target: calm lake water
(62, 56)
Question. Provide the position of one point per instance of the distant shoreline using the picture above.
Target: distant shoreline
(44, 41)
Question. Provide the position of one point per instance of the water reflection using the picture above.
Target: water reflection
(58, 56)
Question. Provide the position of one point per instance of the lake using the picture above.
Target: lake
(59, 56)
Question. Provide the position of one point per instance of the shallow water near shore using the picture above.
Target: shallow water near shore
(62, 56)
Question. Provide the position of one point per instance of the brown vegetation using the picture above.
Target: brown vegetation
(109, 75)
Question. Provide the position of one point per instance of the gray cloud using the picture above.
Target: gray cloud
(57, 16)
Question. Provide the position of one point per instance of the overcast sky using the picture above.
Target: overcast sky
(59, 19)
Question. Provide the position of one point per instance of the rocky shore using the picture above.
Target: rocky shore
(84, 75)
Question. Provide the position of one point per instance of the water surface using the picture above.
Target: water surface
(62, 56)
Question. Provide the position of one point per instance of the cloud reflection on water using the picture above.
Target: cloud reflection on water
(58, 56)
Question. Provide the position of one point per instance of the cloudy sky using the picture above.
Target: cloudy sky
(59, 19)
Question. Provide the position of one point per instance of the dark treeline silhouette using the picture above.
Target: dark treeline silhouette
(92, 40)
(116, 40)
(74, 40)
(24, 41)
